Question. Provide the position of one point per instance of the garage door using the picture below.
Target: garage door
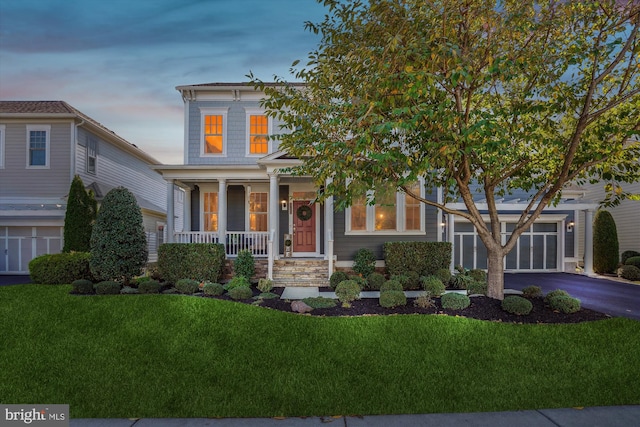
(19, 245)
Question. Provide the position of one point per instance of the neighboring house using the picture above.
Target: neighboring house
(43, 144)
(238, 193)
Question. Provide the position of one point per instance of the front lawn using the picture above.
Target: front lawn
(177, 356)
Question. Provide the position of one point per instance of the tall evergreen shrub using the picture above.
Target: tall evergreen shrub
(79, 218)
(605, 243)
(118, 241)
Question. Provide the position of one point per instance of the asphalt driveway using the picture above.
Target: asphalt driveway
(14, 280)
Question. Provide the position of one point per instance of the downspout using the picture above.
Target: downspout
(74, 149)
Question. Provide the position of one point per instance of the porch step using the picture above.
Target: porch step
(300, 272)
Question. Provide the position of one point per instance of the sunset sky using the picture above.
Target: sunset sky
(119, 61)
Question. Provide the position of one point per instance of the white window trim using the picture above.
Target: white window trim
(95, 156)
(2, 137)
(35, 128)
(400, 219)
(256, 112)
(203, 190)
(219, 111)
(255, 189)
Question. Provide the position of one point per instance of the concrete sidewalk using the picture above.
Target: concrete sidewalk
(601, 416)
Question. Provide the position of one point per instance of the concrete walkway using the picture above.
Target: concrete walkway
(602, 416)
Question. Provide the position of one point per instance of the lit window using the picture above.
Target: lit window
(258, 211)
(359, 214)
(385, 211)
(92, 155)
(258, 134)
(213, 134)
(210, 211)
(38, 146)
(412, 209)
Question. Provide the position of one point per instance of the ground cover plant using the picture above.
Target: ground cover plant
(168, 356)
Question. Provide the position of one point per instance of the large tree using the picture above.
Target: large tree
(473, 96)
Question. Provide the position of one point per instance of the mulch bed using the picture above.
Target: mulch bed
(482, 308)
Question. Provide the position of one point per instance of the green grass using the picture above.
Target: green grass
(177, 356)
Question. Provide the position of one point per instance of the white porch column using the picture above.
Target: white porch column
(588, 242)
(170, 211)
(274, 213)
(451, 238)
(222, 210)
(186, 210)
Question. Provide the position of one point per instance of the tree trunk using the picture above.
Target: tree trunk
(495, 275)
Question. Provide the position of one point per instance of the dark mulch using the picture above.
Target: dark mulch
(482, 308)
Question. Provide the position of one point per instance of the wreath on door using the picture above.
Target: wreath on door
(304, 213)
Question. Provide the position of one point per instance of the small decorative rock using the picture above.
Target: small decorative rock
(300, 307)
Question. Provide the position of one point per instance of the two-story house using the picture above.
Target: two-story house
(238, 192)
(43, 144)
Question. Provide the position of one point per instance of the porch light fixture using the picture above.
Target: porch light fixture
(570, 225)
(283, 204)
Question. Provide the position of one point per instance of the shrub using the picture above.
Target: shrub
(128, 290)
(82, 286)
(107, 287)
(212, 289)
(403, 279)
(240, 293)
(477, 288)
(554, 294)
(453, 301)
(320, 302)
(478, 275)
(634, 260)
(187, 286)
(244, 264)
(149, 287)
(433, 285)
(413, 280)
(391, 285)
(461, 281)
(364, 262)
(425, 258)
(390, 299)
(362, 282)
(60, 269)
(374, 281)
(201, 261)
(267, 295)
(265, 285)
(138, 280)
(444, 275)
(517, 305)
(629, 272)
(79, 217)
(423, 301)
(605, 243)
(565, 304)
(532, 291)
(628, 254)
(236, 282)
(336, 278)
(348, 291)
(118, 240)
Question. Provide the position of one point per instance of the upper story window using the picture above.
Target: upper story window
(214, 132)
(92, 155)
(393, 213)
(38, 146)
(2, 132)
(257, 132)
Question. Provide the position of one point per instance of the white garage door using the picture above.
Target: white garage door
(19, 245)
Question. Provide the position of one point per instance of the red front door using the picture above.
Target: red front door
(304, 226)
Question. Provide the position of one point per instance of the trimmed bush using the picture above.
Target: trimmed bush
(107, 287)
(149, 287)
(60, 269)
(364, 262)
(444, 274)
(453, 301)
(477, 288)
(348, 291)
(337, 277)
(565, 304)
(628, 254)
(82, 286)
(391, 299)
(517, 305)
(423, 301)
(461, 281)
(320, 302)
(212, 289)
(201, 261)
(433, 285)
(265, 285)
(79, 217)
(118, 240)
(403, 279)
(532, 291)
(629, 272)
(187, 286)
(425, 258)
(244, 264)
(362, 282)
(391, 285)
(374, 281)
(605, 243)
(236, 282)
(553, 294)
(478, 275)
(634, 260)
(240, 293)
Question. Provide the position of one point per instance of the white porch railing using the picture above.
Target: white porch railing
(236, 241)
